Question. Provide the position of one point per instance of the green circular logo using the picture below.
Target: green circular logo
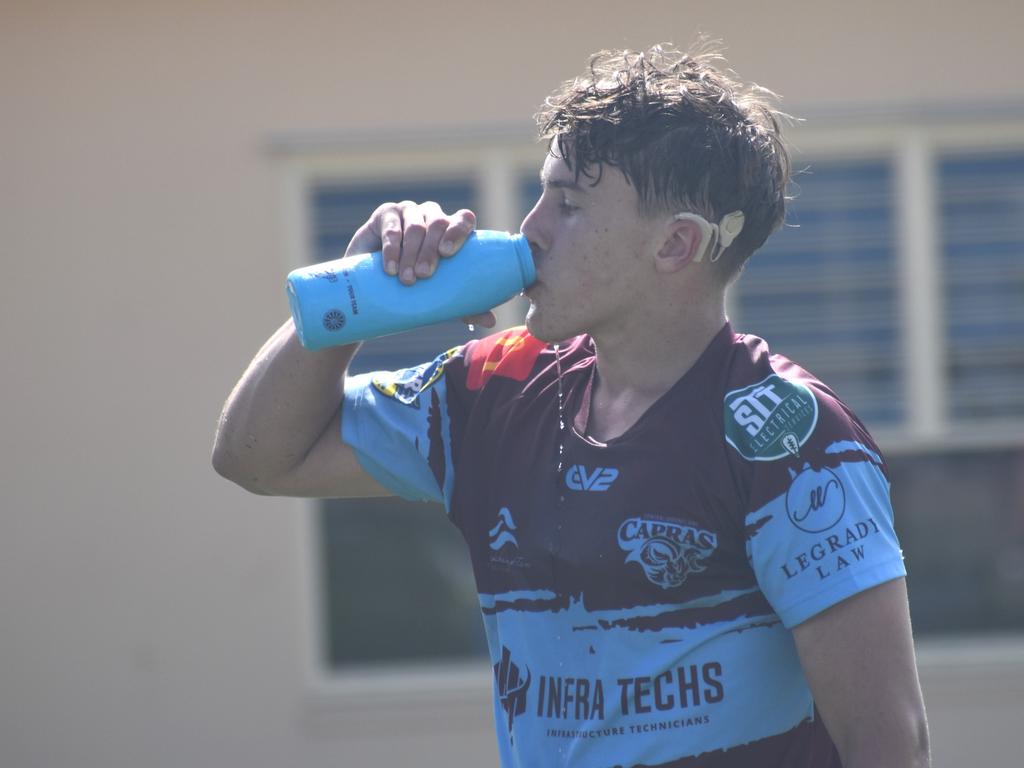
(770, 419)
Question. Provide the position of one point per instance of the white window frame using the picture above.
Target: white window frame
(495, 167)
(498, 160)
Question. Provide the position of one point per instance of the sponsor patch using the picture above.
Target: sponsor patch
(502, 533)
(668, 552)
(406, 385)
(770, 419)
(816, 499)
(513, 682)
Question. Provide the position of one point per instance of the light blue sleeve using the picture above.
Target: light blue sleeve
(398, 424)
(828, 536)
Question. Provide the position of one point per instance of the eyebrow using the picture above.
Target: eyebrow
(559, 183)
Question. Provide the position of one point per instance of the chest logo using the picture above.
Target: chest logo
(501, 534)
(770, 419)
(512, 686)
(668, 552)
(579, 478)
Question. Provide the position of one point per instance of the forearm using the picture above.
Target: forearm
(897, 748)
(281, 405)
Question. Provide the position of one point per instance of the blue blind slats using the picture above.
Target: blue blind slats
(823, 292)
(982, 229)
(337, 211)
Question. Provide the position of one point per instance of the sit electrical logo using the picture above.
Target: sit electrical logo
(770, 419)
(579, 478)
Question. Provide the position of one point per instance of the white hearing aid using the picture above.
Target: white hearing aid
(714, 237)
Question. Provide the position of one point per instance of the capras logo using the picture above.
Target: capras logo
(667, 552)
(578, 478)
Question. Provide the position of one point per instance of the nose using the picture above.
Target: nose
(533, 230)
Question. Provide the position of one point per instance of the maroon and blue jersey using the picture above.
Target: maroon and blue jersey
(638, 594)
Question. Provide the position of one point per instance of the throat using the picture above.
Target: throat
(607, 418)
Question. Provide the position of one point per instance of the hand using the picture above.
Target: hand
(413, 238)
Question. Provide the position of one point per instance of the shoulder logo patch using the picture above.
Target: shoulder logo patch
(816, 499)
(770, 419)
(509, 354)
(406, 385)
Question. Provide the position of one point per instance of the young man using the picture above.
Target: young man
(683, 543)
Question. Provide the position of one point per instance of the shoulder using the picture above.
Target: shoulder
(774, 408)
(513, 354)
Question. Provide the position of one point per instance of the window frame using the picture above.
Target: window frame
(497, 159)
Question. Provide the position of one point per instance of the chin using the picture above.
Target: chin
(542, 328)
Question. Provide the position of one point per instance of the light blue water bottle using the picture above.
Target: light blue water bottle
(354, 299)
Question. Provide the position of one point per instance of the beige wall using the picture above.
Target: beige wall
(152, 614)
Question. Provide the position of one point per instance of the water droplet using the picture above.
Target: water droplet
(472, 328)
(561, 411)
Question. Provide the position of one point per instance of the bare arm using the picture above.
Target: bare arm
(280, 431)
(278, 422)
(858, 657)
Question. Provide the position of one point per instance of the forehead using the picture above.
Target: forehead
(555, 169)
(611, 183)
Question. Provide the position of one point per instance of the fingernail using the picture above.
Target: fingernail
(407, 275)
(447, 248)
(391, 267)
(423, 269)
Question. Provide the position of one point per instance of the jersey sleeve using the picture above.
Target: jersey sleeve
(399, 424)
(819, 522)
(407, 426)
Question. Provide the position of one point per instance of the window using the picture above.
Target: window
(982, 230)
(822, 291)
(830, 291)
(397, 584)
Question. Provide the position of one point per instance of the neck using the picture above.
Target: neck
(649, 362)
(634, 371)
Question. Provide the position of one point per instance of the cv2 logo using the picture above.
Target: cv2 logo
(578, 478)
(512, 687)
(501, 534)
(668, 552)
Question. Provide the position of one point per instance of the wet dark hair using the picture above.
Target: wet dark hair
(686, 133)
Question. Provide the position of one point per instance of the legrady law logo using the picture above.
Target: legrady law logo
(667, 552)
(501, 534)
(816, 499)
(512, 687)
(770, 419)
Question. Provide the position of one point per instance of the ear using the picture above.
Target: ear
(684, 242)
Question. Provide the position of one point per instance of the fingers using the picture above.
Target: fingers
(414, 232)
(391, 239)
(412, 237)
(442, 235)
(460, 226)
